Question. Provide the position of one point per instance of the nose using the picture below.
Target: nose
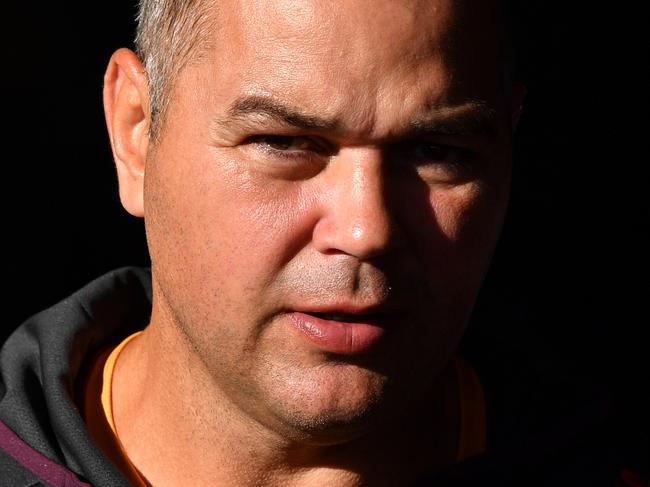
(357, 218)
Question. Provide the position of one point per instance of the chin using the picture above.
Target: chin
(329, 426)
(331, 406)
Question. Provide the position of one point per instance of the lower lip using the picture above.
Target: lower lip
(337, 336)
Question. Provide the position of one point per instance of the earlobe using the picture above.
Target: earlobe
(126, 109)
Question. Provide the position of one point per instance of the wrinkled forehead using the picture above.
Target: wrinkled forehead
(356, 59)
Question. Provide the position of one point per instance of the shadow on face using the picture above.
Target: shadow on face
(324, 201)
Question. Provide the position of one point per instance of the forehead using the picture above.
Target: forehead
(356, 59)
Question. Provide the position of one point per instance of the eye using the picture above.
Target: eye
(290, 146)
(290, 157)
(432, 160)
(424, 152)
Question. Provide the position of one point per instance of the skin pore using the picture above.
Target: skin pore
(348, 159)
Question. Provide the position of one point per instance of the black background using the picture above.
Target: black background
(570, 274)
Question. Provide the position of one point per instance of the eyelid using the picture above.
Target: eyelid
(320, 146)
(413, 145)
(290, 164)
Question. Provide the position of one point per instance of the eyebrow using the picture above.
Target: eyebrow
(261, 107)
(469, 119)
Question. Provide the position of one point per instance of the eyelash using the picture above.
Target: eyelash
(447, 154)
(264, 142)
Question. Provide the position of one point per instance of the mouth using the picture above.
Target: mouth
(350, 317)
(341, 332)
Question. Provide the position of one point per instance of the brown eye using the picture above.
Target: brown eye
(279, 142)
(432, 152)
(433, 162)
(288, 157)
(419, 153)
(291, 145)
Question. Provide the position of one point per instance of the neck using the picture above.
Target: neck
(178, 428)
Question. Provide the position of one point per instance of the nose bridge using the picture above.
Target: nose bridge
(357, 219)
(365, 199)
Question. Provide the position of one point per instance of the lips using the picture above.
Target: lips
(341, 332)
(348, 317)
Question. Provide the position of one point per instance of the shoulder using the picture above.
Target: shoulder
(41, 365)
(23, 466)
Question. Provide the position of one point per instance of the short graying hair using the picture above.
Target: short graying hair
(170, 34)
(173, 33)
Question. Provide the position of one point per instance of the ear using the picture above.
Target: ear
(517, 96)
(126, 106)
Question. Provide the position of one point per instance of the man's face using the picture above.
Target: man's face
(324, 201)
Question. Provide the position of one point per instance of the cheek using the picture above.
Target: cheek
(457, 229)
(225, 227)
(466, 213)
